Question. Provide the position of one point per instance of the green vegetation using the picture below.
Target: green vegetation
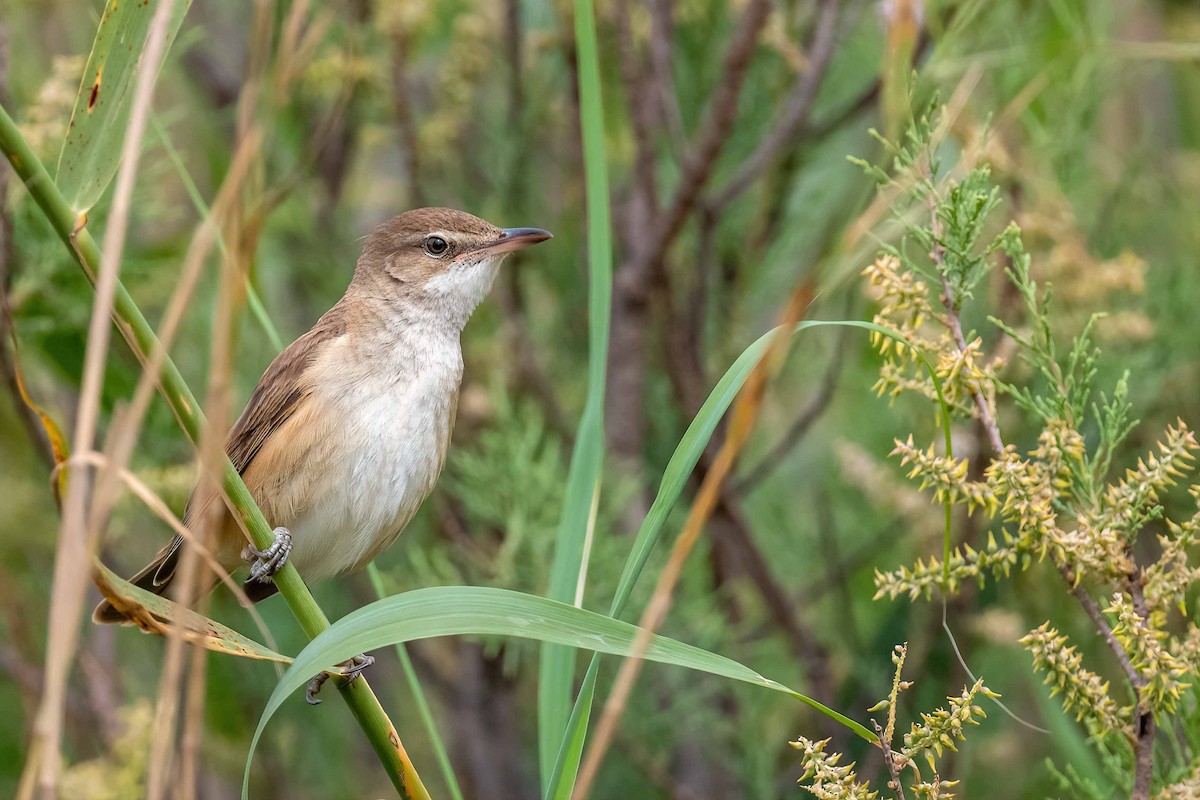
(863, 324)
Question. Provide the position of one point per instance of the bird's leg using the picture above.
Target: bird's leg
(349, 669)
(265, 563)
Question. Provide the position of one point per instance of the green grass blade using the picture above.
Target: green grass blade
(414, 685)
(557, 664)
(92, 148)
(679, 468)
(485, 611)
(570, 750)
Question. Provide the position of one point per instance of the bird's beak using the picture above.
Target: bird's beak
(511, 239)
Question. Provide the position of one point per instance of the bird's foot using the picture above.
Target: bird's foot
(265, 563)
(350, 670)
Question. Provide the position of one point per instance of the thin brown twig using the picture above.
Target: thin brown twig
(633, 281)
(402, 103)
(232, 217)
(735, 549)
(217, 410)
(1143, 749)
(662, 34)
(803, 642)
(72, 566)
(684, 334)
(162, 776)
(889, 761)
(797, 107)
(1097, 617)
(641, 106)
(734, 544)
(102, 681)
(986, 419)
(642, 270)
(124, 434)
(702, 158)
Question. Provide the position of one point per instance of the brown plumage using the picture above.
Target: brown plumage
(346, 432)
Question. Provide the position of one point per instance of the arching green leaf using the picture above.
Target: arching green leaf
(458, 610)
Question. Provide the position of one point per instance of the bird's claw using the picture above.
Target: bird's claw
(265, 563)
(349, 669)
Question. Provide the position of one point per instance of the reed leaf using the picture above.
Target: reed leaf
(486, 611)
(568, 572)
(91, 150)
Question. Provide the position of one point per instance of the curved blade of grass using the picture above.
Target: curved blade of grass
(458, 610)
(679, 468)
(556, 674)
(92, 148)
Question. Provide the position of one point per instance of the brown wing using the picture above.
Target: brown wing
(278, 392)
(271, 404)
(275, 398)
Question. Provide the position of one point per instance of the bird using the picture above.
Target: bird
(347, 431)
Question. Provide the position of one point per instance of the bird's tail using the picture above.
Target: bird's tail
(155, 577)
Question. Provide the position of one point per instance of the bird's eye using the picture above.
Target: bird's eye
(436, 246)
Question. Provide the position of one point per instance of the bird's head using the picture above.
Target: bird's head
(440, 260)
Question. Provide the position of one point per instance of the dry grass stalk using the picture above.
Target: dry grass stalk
(72, 561)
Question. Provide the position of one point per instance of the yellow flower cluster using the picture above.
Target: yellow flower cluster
(1125, 503)
(1030, 492)
(943, 729)
(827, 780)
(1160, 669)
(1186, 648)
(1018, 489)
(906, 308)
(938, 731)
(966, 563)
(934, 789)
(1168, 580)
(1186, 789)
(1083, 692)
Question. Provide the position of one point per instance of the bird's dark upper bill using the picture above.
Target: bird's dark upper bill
(514, 239)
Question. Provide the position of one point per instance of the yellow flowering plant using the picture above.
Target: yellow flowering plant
(1057, 502)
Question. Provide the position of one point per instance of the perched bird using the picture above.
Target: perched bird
(347, 430)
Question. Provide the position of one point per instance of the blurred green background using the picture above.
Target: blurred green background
(1088, 112)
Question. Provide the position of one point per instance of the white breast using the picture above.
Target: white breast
(394, 414)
